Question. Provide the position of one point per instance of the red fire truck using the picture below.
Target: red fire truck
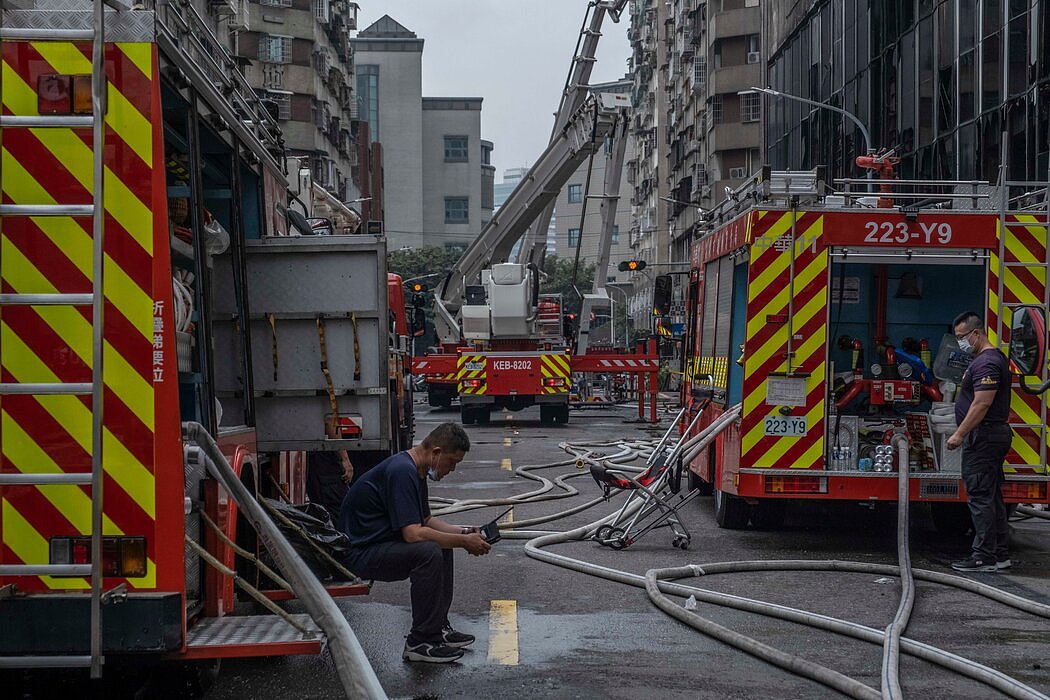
(149, 280)
(826, 316)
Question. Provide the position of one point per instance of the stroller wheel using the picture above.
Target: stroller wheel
(602, 534)
(617, 538)
(680, 542)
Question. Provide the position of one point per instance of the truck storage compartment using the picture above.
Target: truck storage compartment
(298, 287)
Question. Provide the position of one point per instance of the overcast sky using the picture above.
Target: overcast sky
(513, 53)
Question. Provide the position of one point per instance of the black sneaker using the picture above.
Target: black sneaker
(1003, 563)
(974, 563)
(456, 640)
(430, 652)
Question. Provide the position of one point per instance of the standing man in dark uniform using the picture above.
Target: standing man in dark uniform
(982, 411)
(393, 536)
(328, 474)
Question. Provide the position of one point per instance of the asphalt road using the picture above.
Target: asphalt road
(577, 636)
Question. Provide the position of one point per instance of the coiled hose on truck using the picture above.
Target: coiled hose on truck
(660, 583)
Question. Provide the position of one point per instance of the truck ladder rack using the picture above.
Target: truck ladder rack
(96, 210)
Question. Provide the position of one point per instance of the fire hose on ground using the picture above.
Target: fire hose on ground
(659, 583)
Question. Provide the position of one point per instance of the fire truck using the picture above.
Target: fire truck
(502, 343)
(152, 280)
(823, 311)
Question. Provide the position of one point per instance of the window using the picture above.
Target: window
(456, 149)
(457, 210)
(750, 107)
(283, 100)
(716, 109)
(274, 48)
(368, 98)
(700, 72)
(615, 234)
(321, 8)
(574, 237)
(486, 154)
(276, 3)
(575, 194)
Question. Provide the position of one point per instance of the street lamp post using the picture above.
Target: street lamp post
(822, 105)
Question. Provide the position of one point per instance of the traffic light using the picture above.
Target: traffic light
(417, 287)
(631, 266)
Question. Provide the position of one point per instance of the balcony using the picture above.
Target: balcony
(735, 23)
(731, 136)
(732, 79)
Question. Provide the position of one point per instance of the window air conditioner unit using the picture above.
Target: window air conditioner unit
(753, 56)
(737, 173)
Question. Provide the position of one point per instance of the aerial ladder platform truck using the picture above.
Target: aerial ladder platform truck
(502, 345)
(165, 361)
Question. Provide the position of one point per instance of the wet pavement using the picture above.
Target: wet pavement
(578, 636)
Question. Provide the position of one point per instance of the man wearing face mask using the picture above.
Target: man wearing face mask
(387, 517)
(982, 412)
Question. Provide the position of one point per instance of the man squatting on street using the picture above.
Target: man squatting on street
(982, 412)
(393, 536)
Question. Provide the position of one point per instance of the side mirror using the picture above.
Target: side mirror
(1028, 341)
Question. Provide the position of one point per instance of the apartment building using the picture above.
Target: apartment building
(698, 128)
(437, 175)
(299, 61)
(940, 81)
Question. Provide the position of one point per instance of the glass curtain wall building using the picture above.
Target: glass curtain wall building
(943, 81)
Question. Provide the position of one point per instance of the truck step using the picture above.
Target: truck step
(251, 635)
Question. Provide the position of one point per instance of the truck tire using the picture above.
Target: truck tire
(547, 414)
(467, 416)
(562, 415)
(482, 415)
(951, 519)
(768, 514)
(731, 512)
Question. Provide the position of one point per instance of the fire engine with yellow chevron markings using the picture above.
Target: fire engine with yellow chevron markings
(153, 304)
(822, 312)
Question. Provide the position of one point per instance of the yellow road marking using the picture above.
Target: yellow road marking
(509, 517)
(504, 464)
(507, 442)
(503, 632)
(510, 417)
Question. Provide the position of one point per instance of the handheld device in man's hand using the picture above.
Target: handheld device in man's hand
(490, 531)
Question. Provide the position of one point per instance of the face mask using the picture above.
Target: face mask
(965, 345)
(433, 475)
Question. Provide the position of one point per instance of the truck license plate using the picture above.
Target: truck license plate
(785, 426)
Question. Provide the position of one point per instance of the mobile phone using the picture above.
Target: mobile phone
(490, 531)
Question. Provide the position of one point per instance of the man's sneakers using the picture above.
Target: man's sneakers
(975, 563)
(431, 653)
(456, 640)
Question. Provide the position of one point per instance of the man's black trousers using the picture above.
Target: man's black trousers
(982, 473)
(428, 566)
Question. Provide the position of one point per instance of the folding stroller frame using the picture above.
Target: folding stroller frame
(659, 488)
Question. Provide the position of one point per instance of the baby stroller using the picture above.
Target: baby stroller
(659, 488)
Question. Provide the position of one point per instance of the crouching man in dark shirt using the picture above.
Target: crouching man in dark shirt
(387, 517)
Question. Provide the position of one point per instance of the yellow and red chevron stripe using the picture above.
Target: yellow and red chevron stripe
(555, 365)
(52, 434)
(766, 338)
(471, 367)
(1021, 271)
